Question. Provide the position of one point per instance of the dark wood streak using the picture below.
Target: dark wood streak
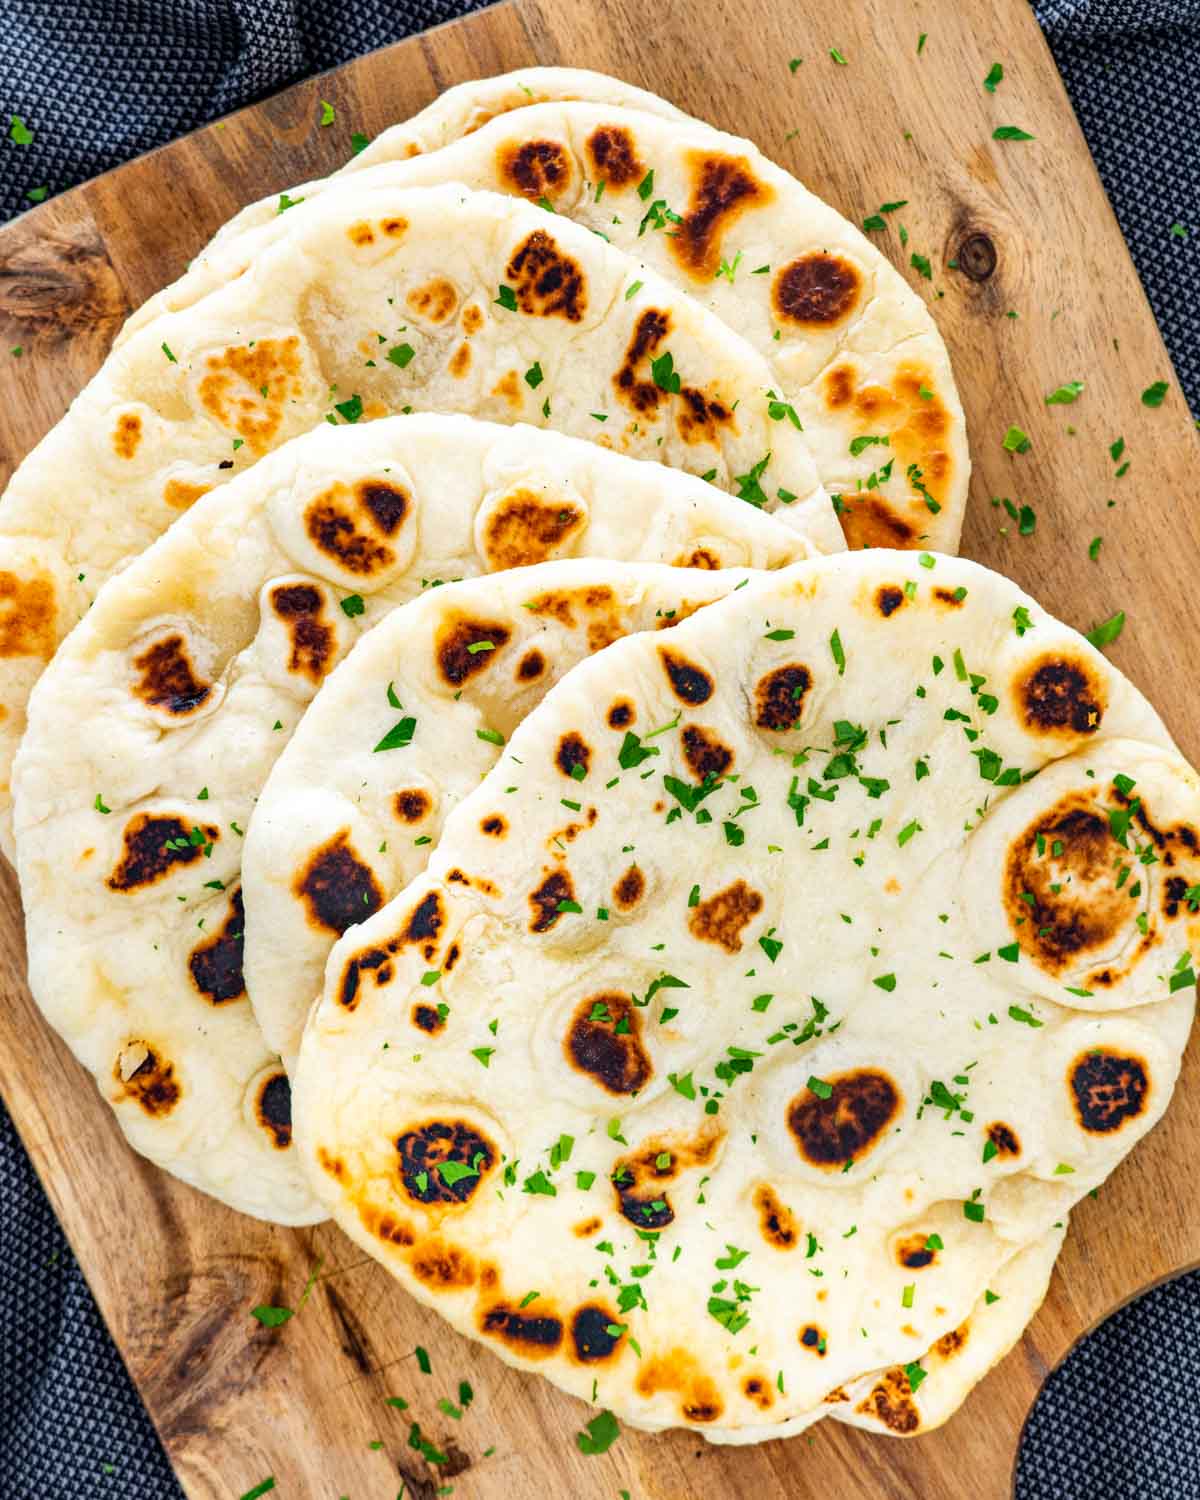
(58, 285)
(355, 1344)
(419, 1486)
(213, 1358)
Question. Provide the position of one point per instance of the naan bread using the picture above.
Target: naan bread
(393, 302)
(458, 112)
(154, 728)
(885, 1401)
(907, 973)
(852, 347)
(339, 829)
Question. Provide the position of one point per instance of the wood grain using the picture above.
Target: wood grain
(175, 1274)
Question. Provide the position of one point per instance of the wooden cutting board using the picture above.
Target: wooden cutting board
(1011, 228)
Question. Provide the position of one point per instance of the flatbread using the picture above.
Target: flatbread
(339, 829)
(885, 980)
(853, 348)
(369, 310)
(458, 112)
(885, 1401)
(154, 728)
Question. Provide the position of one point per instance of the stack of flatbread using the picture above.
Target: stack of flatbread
(508, 759)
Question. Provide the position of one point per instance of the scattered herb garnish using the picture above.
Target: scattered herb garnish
(264, 1487)
(602, 1432)
(1105, 633)
(398, 735)
(1154, 394)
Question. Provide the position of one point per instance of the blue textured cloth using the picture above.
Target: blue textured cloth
(99, 81)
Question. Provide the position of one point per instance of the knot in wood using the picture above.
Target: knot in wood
(977, 256)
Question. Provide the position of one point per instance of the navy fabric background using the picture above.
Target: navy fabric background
(100, 81)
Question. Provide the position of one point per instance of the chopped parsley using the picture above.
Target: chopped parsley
(538, 1184)
(1011, 133)
(994, 76)
(1108, 630)
(730, 1312)
(749, 488)
(777, 410)
(603, 1430)
(1154, 394)
(398, 735)
(353, 605)
(1066, 395)
(664, 374)
(683, 1085)
(272, 1317)
(264, 1487)
(915, 1375)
